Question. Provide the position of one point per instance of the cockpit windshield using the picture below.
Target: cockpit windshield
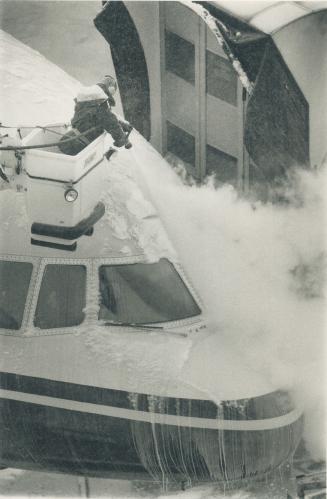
(144, 294)
(62, 297)
(14, 283)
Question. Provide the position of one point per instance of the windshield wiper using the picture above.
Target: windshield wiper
(132, 325)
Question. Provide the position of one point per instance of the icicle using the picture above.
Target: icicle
(216, 27)
(175, 453)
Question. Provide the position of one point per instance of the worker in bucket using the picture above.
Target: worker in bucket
(93, 115)
(109, 86)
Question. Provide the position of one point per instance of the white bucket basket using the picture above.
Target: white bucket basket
(63, 191)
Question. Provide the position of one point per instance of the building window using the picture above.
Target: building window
(14, 283)
(180, 57)
(221, 78)
(62, 297)
(221, 165)
(181, 143)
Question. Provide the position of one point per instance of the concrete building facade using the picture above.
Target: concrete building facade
(196, 106)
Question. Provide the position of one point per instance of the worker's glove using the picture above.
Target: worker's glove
(126, 126)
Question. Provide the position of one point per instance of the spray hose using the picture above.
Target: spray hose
(51, 144)
(31, 126)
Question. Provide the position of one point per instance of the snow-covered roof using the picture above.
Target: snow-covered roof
(266, 16)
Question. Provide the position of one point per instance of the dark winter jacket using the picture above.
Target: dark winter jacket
(94, 115)
(88, 115)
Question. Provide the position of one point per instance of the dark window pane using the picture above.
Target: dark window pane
(180, 57)
(221, 78)
(62, 297)
(14, 282)
(181, 143)
(144, 293)
(222, 165)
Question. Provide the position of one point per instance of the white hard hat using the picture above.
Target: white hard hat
(91, 93)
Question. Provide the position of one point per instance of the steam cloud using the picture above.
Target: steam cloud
(260, 270)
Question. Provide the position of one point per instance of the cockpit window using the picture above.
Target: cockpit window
(62, 297)
(144, 293)
(14, 283)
